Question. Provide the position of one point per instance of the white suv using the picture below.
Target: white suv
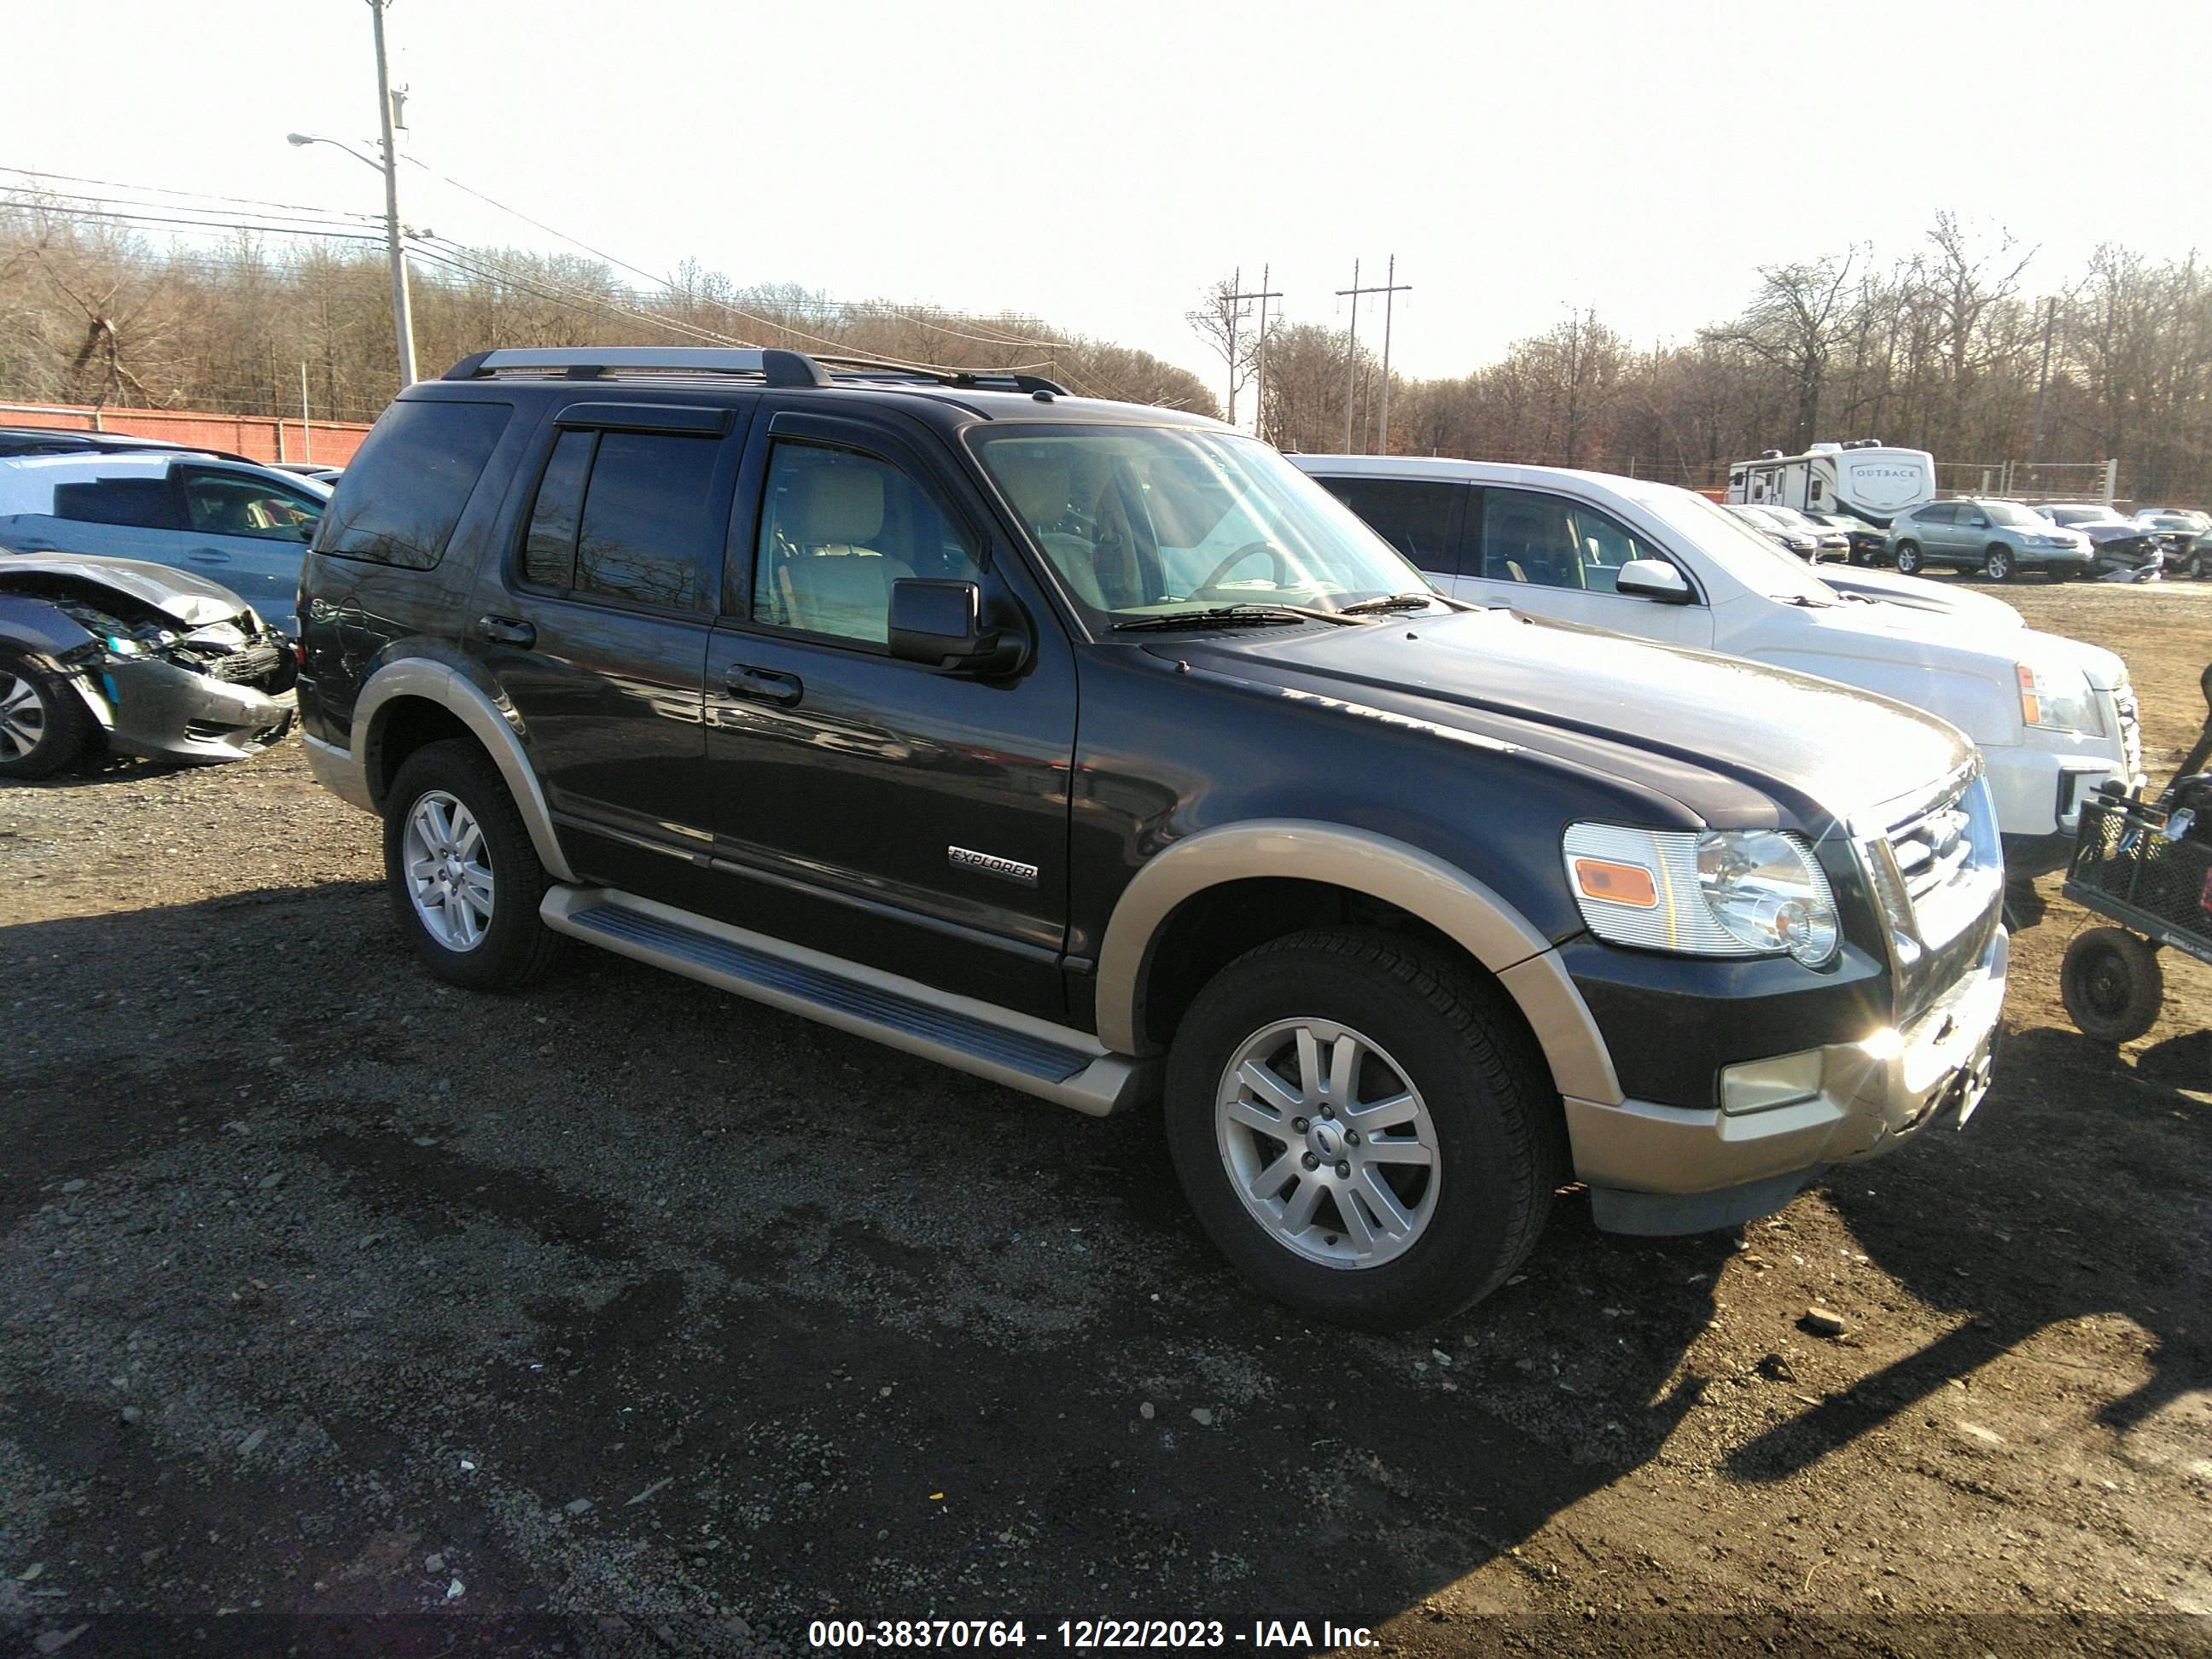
(2054, 718)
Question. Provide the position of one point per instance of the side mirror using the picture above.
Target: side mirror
(941, 625)
(1653, 579)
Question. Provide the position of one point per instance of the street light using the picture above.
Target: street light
(403, 313)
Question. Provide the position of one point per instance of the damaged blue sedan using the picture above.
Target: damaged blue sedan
(118, 656)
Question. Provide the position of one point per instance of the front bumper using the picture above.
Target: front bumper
(158, 711)
(1654, 1169)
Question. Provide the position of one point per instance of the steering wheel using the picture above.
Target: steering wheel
(1276, 558)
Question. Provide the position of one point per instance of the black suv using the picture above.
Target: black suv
(1093, 749)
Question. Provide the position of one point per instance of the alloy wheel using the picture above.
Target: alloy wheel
(1329, 1143)
(23, 717)
(448, 872)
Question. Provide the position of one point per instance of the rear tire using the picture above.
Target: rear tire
(464, 876)
(43, 724)
(1998, 566)
(1463, 1205)
(2111, 985)
(1908, 558)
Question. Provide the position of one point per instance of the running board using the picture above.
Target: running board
(1052, 1062)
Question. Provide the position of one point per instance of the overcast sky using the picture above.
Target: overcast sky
(1099, 164)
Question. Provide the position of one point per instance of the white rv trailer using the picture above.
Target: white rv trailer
(1866, 479)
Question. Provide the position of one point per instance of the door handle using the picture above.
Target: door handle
(208, 556)
(764, 685)
(508, 630)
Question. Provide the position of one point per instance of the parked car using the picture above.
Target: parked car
(1796, 532)
(1832, 550)
(2122, 547)
(1867, 543)
(2181, 535)
(1998, 538)
(62, 441)
(2054, 718)
(242, 525)
(767, 672)
(132, 658)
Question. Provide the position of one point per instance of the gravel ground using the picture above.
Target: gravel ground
(342, 1311)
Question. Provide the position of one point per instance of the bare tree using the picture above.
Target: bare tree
(1224, 321)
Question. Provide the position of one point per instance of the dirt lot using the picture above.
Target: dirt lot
(627, 1318)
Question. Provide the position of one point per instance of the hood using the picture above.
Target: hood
(193, 601)
(1965, 642)
(1919, 593)
(1666, 718)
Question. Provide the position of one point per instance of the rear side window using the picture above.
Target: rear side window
(625, 516)
(399, 499)
(1414, 516)
(143, 503)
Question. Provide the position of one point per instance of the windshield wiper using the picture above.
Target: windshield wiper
(1236, 615)
(1802, 602)
(1406, 602)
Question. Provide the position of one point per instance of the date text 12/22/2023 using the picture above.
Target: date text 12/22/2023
(1081, 1635)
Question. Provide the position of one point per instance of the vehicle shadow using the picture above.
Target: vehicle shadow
(2110, 1222)
(807, 1323)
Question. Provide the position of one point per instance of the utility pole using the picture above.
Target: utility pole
(1260, 371)
(2043, 379)
(403, 313)
(1351, 347)
(1391, 288)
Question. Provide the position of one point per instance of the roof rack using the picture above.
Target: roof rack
(772, 366)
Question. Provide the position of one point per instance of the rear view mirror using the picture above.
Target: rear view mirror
(941, 625)
(1653, 579)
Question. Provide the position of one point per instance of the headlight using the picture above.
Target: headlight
(2055, 699)
(1718, 893)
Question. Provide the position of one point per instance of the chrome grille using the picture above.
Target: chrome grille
(1932, 851)
(2124, 701)
(1939, 877)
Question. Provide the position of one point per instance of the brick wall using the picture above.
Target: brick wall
(259, 437)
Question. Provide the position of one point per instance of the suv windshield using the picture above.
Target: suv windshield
(1150, 521)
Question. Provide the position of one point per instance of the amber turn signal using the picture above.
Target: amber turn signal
(1616, 883)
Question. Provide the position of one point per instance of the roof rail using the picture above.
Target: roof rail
(775, 368)
(593, 362)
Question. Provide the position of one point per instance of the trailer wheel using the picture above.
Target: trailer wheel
(2111, 984)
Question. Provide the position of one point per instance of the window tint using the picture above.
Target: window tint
(1934, 513)
(837, 529)
(549, 553)
(644, 533)
(1549, 541)
(143, 503)
(1413, 516)
(235, 504)
(399, 499)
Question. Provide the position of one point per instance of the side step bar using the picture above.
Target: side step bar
(1052, 1062)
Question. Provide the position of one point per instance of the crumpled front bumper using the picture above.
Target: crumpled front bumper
(155, 710)
(1668, 1170)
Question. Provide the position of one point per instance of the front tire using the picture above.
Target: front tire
(1362, 1128)
(1908, 558)
(43, 724)
(2111, 985)
(464, 880)
(1997, 564)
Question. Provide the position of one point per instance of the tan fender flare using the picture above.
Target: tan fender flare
(493, 727)
(1462, 907)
